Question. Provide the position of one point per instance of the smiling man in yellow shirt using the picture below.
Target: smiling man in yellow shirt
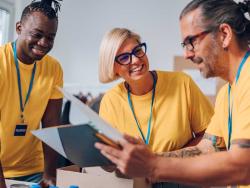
(28, 81)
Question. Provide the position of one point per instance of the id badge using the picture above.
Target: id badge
(20, 130)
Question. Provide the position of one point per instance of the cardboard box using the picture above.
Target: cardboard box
(16, 183)
(95, 177)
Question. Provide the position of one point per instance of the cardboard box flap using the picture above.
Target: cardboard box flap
(95, 177)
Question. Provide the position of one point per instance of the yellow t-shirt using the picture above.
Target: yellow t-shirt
(23, 155)
(240, 93)
(179, 108)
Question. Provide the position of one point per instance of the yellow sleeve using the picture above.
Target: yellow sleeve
(214, 125)
(201, 109)
(58, 82)
(105, 111)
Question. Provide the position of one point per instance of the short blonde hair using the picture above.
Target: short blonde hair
(110, 44)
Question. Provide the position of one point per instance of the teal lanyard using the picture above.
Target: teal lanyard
(230, 117)
(19, 81)
(146, 141)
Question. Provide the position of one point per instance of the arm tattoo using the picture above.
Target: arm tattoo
(218, 142)
(242, 143)
(185, 152)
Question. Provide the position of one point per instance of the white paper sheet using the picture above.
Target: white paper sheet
(94, 119)
(51, 137)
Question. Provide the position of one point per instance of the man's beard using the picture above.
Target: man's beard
(209, 62)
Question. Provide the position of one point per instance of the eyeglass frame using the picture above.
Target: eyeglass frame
(132, 53)
(187, 44)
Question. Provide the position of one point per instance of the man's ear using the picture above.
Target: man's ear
(226, 35)
(18, 27)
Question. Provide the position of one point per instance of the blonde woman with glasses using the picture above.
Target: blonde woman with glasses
(165, 109)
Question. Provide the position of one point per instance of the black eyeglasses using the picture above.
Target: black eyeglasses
(188, 43)
(126, 58)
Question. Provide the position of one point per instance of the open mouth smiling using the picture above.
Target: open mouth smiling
(136, 69)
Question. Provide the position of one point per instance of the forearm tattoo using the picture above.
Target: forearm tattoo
(218, 142)
(242, 143)
(185, 152)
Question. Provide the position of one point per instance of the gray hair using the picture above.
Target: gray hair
(216, 12)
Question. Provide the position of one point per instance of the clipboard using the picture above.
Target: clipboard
(76, 142)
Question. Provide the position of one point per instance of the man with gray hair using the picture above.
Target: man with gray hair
(216, 35)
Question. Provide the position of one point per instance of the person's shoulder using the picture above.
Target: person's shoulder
(6, 48)
(245, 76)
(223, 89)
(116, 91)
(51, 61)
(6, 55)
(173, 76)
(222, 93)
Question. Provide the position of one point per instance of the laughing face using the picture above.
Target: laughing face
(36, 35)
(137, 66)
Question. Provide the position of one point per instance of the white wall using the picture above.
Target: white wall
(9, 5)
(82, 24)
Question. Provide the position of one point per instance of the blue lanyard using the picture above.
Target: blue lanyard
(146, 141)
(19, 82)
(230, 120)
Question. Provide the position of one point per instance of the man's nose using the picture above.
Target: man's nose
(188, 54)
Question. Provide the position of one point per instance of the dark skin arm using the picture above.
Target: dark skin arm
(2, 181)
(50, 118)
